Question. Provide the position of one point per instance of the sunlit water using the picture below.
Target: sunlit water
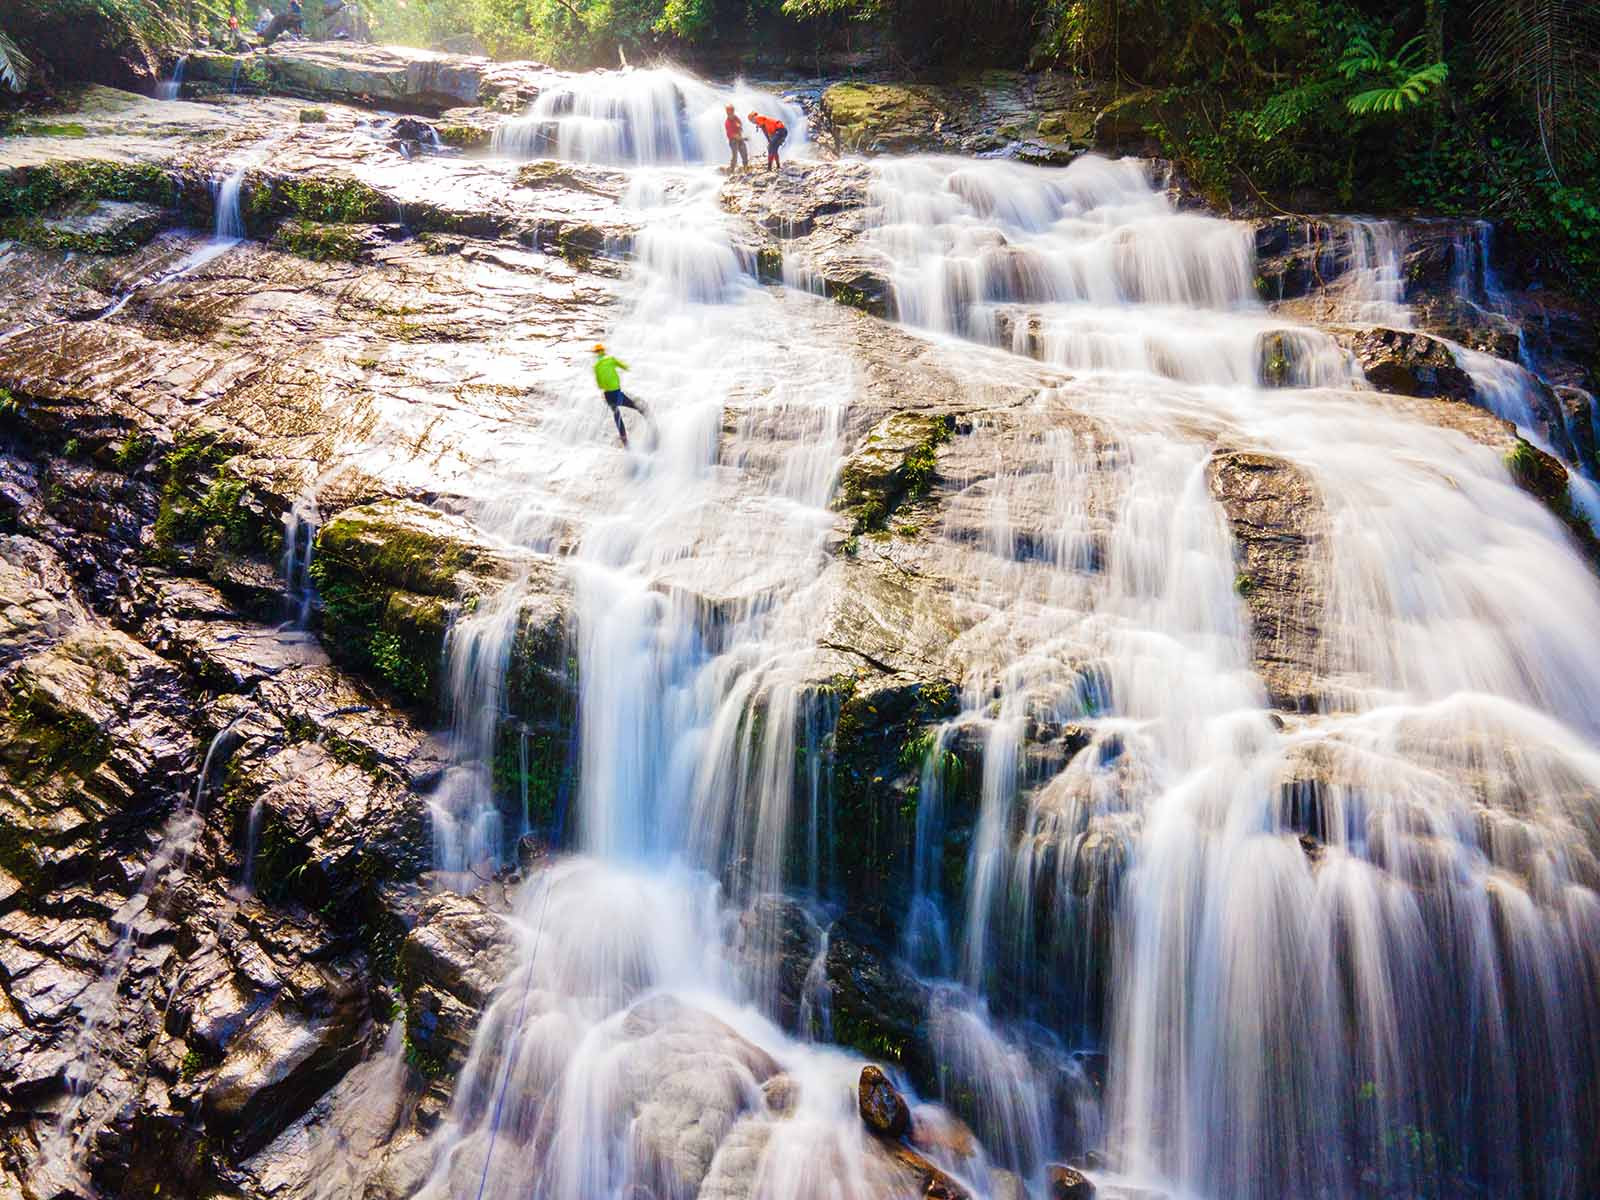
(1404, 1002)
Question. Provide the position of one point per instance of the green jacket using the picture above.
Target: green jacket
(605, 372)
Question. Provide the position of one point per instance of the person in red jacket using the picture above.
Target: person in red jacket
(737, 147)
(776, 132)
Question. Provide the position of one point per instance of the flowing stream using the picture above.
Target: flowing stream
(1347, 947)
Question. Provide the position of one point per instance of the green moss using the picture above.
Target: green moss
(331, 200)
(897, 464)
(578, 243)
(32, 191)
(464, 136)
(63, 129)
(409, 675)
(133, 452)
(851, 297)
(769, 264)
(321, 242)
(313, 116)
(197, 495)
(1243, 584)
(47, 740)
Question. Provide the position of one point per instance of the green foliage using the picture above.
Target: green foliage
(1545, 54)
(1397, 83)
(408, 675)
(14, 65)
(321, 242)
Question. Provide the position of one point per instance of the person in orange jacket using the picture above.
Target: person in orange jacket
(777, 132)
(737, 147)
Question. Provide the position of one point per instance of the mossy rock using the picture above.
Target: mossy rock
(204, 508)
(35, 191)
(895, 463)
(392, 576)
(90, 227)
(877, 117)
(1067, 125)
(323, 242)
(465, 137)
(331, 200)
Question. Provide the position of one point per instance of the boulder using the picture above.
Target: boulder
(883, 1109)
(1275, 513)
(287, 1057)
(1067, 1183)
(687, 1079)
(1407, 363)
(878, 118)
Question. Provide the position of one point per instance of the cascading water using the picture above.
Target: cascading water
(636, 117)
(171, 89)
(1403, 1007)
(1341, 949)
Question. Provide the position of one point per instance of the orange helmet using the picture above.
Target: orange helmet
(752, 116)
(599, 348)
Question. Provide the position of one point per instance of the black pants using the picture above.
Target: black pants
(619, 400)
(773, 142)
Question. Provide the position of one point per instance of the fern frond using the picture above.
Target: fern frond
(14, 65)
(1361, 57)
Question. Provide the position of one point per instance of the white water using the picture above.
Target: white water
(171, 89)
(1276, 1027)
(634, 117)
(1406, 1008)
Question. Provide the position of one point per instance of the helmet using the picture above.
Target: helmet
(599, 348)
(752, 116)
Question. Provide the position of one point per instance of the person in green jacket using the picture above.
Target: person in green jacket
(606, 367)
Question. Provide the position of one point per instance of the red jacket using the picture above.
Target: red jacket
(767, 125)
(735, 128)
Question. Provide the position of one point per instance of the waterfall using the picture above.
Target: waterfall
(230, 218)
(1278, 1024)
(1247, 911)
(632, 117)
(171, 89)
(300, 524)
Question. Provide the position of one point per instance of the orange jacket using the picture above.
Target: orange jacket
(767, 125)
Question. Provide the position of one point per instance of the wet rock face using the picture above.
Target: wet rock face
(857, 994)
(883, 1108)
(392, 77)
(1276, 516)
(1410, 364)
(1044, 118)
(450, 964)
(1068, 1183)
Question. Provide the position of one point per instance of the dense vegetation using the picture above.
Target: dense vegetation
(1456, 106)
